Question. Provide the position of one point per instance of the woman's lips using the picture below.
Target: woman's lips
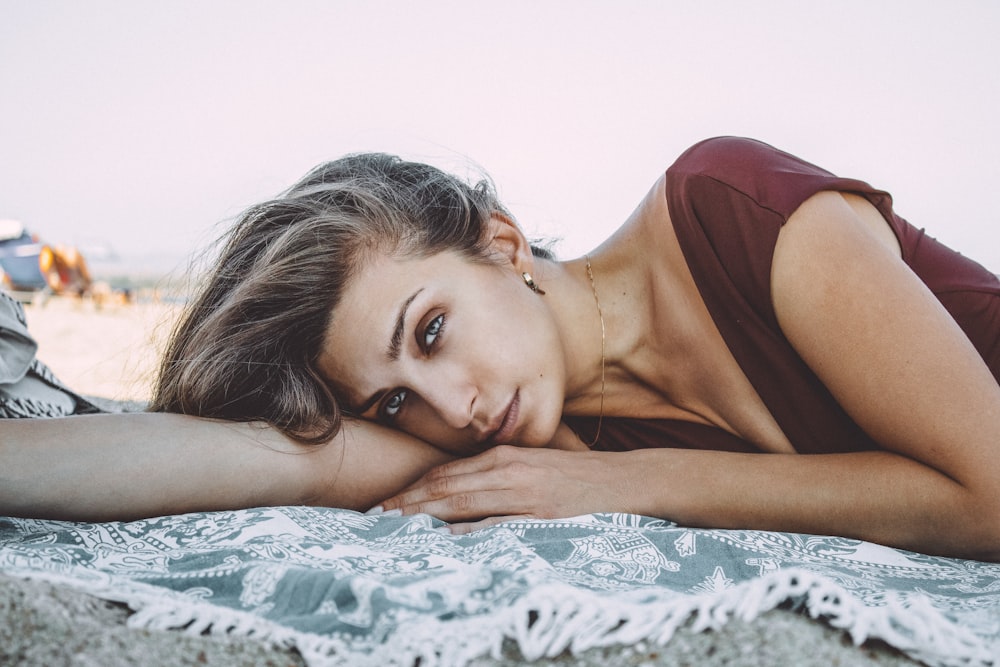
(506, 430)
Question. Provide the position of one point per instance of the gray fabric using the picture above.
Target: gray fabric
(352, 589)
(28, 388)
(17, 348)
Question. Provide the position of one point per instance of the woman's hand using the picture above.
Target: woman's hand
(507, 482)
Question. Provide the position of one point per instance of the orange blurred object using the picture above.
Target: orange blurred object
(30, 266)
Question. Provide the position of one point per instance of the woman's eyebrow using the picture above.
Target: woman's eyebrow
(392, 350)
(396, 340)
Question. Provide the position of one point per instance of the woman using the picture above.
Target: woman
(752, 304)
(759, 346)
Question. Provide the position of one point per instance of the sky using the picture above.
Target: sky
(147, 126)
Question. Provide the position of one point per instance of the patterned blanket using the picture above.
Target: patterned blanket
(350, 589)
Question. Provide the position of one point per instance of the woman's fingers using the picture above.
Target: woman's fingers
(462, 498)
(468, 527)
(494, 483)
(438, 480)
(511, 481)
(487, 460)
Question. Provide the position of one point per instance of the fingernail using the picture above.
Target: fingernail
(444, 530)
(375, 510)
(392, 513)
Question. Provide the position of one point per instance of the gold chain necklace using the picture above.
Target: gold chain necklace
(600, 313)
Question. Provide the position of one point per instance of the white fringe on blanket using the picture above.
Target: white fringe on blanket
(554, 618)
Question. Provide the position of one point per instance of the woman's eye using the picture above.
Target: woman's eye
(393, 405)
(432, 331)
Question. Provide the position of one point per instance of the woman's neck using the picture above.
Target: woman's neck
(597, 322)
(638, 277)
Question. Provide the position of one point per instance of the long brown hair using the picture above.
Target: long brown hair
(246, 347)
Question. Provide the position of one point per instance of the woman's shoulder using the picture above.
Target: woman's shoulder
(748, 170)
(703, 186)
(739, 160)
(718, 153)
(735, 171)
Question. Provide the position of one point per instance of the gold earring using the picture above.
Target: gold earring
(532, 285)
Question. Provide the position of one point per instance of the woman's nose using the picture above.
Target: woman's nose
(451, 398)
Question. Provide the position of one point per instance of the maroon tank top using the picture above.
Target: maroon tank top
(728, 198)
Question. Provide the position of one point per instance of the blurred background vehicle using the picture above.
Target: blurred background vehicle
(29, 267)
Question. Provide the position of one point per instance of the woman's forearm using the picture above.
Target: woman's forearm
(126, 466)
(876, 496)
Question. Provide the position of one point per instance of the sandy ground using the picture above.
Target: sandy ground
(108, 351)
(111, 352)
(47, 626)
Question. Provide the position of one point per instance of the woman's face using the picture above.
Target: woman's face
(460, 354)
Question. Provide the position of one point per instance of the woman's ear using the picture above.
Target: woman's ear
(508, 242)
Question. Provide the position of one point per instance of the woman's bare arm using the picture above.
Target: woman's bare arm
(127, 466)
